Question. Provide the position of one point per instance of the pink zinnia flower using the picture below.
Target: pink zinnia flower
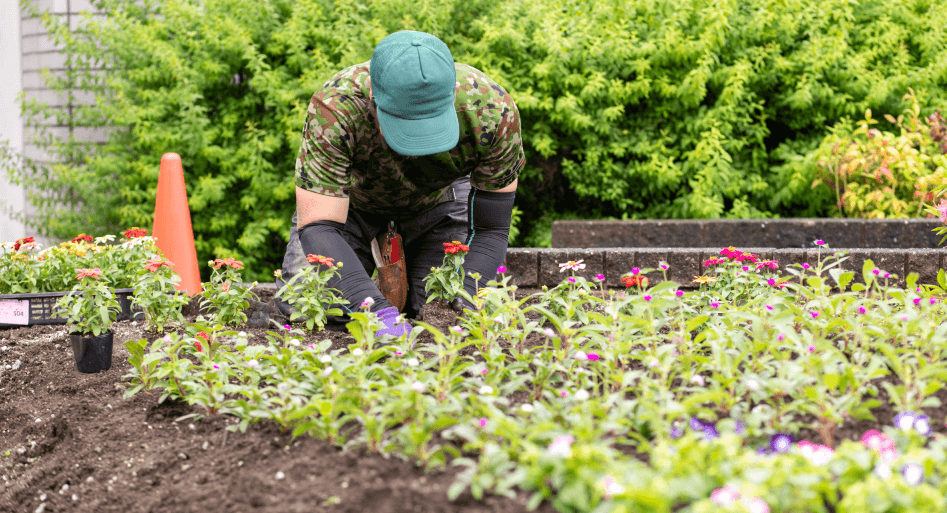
(646, 297)
(635, 270)
(771, 281)
(811, 348)
(571, 279)
(814, 314)
(714, 304)
(861, 309)
(780, 337)
(820, 242)
(600, 277)
(769, 307)
(679, 293)
(501, 269)
(725, 496)
(917, 301)
(592, 356)
(805, 265)
(483, 422)
(876, 272)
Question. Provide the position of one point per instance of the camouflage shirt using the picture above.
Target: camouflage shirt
(344, 155)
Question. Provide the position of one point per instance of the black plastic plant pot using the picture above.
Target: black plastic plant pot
(93, 353)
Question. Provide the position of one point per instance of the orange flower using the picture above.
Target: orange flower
(134, 232)
(91, 273)
(82, 238)
(226, 286)
(631, 281)
(313, 259)
(219, 262)
(455, 246)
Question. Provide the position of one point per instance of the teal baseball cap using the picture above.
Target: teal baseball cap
(413, 80)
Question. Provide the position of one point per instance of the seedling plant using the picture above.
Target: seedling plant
(721, 394)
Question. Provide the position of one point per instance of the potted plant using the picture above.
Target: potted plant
(90, 309)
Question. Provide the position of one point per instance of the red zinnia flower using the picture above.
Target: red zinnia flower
(197, 344)
(91, 273)
(204, 336)
(313, 259)
(134, 232)
(82, 237)
(157, 263)
(631, 281)
(22, 242)
(455, 246)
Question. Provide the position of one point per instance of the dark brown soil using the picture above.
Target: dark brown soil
(75, 445)
(84, 448)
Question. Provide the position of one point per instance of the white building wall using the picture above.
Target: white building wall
(26, 53)
(12, 197)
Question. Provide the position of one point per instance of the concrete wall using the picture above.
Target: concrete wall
(12, 198)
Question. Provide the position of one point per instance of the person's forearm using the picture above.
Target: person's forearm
(489, 216)
(325, 238)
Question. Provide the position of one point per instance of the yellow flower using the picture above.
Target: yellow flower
(482, 292)
(704, 279)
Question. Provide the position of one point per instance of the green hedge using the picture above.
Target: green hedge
(631, 108)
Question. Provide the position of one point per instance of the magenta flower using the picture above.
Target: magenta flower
(805, 265)
(501, 269)
(483, 422)
(714, 304)
(814, 314)
(746, 268)
(820, 242)
(861, 309)
(769, 307)
(933, 301)
(600, 277)
(286, 326)
(917, 301)
(679, 293)
(646, 297)
(664, 267)
(887, 275)
(780, 337)
(571, 279)
(563, 393)
(771, 281)
(635, 270)
(592, 356)
(876, 272)
(811, 348)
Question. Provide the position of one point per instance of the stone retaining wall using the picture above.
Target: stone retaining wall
(535, 267)
(757, 233)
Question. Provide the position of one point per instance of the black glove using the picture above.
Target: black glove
(489, 216)
(325, 238)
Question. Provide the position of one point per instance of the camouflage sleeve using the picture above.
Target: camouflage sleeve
(504, 158)
(325, 155)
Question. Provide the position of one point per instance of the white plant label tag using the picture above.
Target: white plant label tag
(15, 312)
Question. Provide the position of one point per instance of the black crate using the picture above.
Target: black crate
(42, 307)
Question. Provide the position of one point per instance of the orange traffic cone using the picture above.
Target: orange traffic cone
(172, 227)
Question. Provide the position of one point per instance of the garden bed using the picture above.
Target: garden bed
(131, 455)
(75, 445)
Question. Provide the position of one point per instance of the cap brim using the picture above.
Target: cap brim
(419, 137)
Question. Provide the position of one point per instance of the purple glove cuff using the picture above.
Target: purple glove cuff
(389, 316)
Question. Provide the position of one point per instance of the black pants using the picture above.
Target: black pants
(423, 236)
